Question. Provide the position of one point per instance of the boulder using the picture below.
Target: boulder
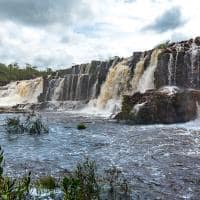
(197, 41)
(165, 105)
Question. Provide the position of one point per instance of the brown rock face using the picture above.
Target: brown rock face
(165, 105)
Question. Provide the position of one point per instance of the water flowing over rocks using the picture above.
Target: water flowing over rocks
(100, 85)
(79, 83)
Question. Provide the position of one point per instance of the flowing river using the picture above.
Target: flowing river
(160, 161)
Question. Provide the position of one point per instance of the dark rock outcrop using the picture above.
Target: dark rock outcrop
(179, 65)
(79, 83)
(165, 105)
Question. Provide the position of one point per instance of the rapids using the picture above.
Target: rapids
(160, 161)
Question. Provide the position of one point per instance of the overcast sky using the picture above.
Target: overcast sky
(59, 33)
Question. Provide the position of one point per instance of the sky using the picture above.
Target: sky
(61, 33)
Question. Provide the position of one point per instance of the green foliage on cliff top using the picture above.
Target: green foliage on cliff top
(163, 45)
(13, 72)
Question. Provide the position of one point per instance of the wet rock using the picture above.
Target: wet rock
(197, 41)
(79, 83)
(165, 105)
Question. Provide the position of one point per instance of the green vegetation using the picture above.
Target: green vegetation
(83, 183)
(163, 45)
(32, 124)
(12, 189)
(81, 126)
(47, 182)
(13, 125)
(13, 72)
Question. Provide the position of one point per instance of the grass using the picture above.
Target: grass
(83, 183)
(12, 189)
(81, 126)
(47, 182)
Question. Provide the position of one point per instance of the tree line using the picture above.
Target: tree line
(13, 72)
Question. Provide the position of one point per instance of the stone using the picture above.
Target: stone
(165, 105)
(197, 41)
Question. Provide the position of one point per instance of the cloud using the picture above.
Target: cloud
(43, 12)
(58, 33)
(169, 20)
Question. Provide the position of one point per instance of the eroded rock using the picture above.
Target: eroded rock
(165, 105)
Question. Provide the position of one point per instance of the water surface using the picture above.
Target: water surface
(160, 161)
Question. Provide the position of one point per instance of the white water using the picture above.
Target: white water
(139, 69)
(21, 92)
(58, 90)
(170, 65)
(109, 99)
(147, 80)
(118, 83)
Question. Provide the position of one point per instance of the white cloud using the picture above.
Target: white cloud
(97, 29)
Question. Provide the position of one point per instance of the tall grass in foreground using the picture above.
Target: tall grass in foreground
(83, 183)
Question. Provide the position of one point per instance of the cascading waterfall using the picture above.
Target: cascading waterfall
(21, 92)
(139, 69)
(147, 80)
(58, 90)
(118, 83)
(175, 68)
(170, 67)
(102, 84)
(115, 84)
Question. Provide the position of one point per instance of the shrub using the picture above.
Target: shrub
(13, 125)
(118, 186)
(83, 183)
(71, 188)
(47, 182)
(32, 124)
(163, 45)
(13, 189)
(81, 126)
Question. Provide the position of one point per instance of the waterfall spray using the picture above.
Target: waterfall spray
(21, 92)
(115, 84)
(170, 66)
(139, 69)
(147, 80)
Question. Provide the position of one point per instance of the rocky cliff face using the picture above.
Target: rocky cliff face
(176, 64)
(179, 65)
(104, 83)
(165, 105)
(79, 83)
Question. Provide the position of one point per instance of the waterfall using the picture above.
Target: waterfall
(195, 66)
(147, 79)
(119, 82)
(138, 71)
(21, 92)
(115, 84)
(175, 66)
(57, 93)
(170, 67)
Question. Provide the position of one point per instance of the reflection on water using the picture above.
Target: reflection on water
(160, 161)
